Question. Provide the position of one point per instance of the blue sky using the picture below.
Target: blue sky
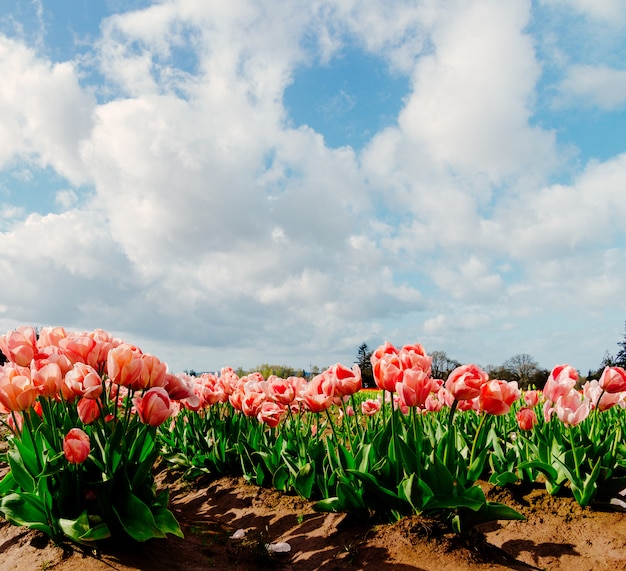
(261, 181)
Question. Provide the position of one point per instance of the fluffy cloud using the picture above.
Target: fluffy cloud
(198, 218)
(594, 85)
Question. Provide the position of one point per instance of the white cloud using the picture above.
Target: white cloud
(611, 12)
(212, 224)
(45, 112)
(472, 97)
(600, 86)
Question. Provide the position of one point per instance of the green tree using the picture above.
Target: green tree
(620, 358)
(364, 362)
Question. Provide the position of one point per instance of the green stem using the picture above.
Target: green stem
(480, 427)
(576, 465)
(451, 436)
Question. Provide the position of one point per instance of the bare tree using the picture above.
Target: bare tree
(522, 367)
(442, 365)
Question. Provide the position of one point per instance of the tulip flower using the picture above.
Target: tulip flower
(76, 446)
(270, 413)
(526, 418)
(415, 357)
(415, 387)
(464, 382)
(613, 380)
(154, 407)
(17, 391)
(19, 346)
(88, 410)
(346, 381)
(561, 381)
(124, 365)
(571, 409)
(386, 367)
(496, 397)
(317, 395)
(370, 407)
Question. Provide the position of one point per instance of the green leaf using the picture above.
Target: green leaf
(22, 475)
(78, 529)
(328, 505)
(416, 492)
(166, 522)
(305, 480)
(503, 479)
(349, 497)
(281, 478)
(25, 509)
(136, 518)
(546, 469)
(7, 484)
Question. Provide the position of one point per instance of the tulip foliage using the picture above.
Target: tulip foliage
(82, 411)
(89, 415)
(417, 445)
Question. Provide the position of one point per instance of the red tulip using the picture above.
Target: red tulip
(613, 380)
(154, 407)
(496, 397)
(88, 410)
(526, 418)
(76, 446)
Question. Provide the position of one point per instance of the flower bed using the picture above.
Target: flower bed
(89, 415)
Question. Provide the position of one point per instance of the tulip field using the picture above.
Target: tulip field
(88, 417)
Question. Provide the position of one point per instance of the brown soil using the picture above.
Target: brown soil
(558, 535)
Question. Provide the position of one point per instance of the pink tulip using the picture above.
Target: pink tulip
(613, 380)
(124, 365)
(154, 407)
(50, 337)
(47, 377)
(19, 346)
(496, 397)
(83, 381)
(80, 349)
(526, 418)
(415, 387)
(76, 446)
(88, 410)
(280, 390)
(571, 409)
(415, 357)
(370, 407)
(17, 391)
(386, 367)
(252, 402)
(318, 394)
(433, 404)
(464, 382)
(562, 379)
(598, 397)
(531, 398)
(346, 381)
(270, 413)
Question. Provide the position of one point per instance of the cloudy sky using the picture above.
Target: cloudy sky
(234, 183)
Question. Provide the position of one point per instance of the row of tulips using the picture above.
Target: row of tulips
(82, 411)
(420, 448)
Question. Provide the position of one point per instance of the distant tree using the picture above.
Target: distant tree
(607, 361)
(522, 368)
(620, 358)
(364, 362)
(442, 365)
